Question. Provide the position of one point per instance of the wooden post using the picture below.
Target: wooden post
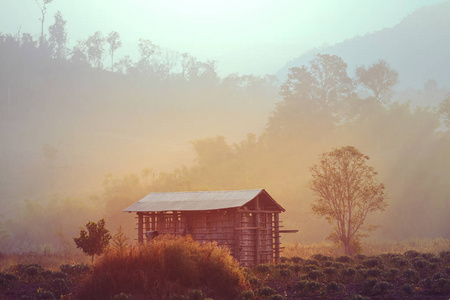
(277, 237)
(140, 228)
(153, 221)
(160, 222)
(257, 233)
(237, 240)
(147, 223)
(175, 221)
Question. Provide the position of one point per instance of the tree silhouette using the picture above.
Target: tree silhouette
(120, 241)
(94, 240)
(95, 50)
(43, 8)
(379, 78)
(58, 36)
(346, 191)
(114, 42)
(444, 110)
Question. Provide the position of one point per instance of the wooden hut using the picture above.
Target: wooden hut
(245, 221)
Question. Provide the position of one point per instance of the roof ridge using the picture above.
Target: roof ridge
(246, 190)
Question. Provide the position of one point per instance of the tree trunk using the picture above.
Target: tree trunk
(348, 248)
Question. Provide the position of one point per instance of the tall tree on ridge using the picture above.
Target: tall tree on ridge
(95, 50)
(43, 9)
(379, 78)
(58, 36)
(114, 42)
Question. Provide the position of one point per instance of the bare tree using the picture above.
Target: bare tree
(42, 4)
(114, 42)
(379, 78)
(346, 191)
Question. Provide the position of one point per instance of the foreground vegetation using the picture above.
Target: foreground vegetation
(411, 275)
(183, 269)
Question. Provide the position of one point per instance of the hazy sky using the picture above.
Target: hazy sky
(251, 36)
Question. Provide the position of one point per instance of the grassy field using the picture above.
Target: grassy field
(183, 269)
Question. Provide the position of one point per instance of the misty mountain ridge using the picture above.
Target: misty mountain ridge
(417, 48)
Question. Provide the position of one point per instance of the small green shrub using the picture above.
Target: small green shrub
(368, 287)
(32, 270)
(285, 273)
(373, 272)
(321, 257)
(428, 256)
(75, 270)
(372, 263)
(300, 285)
(59, 287)
(42, 294)
(295, 268)
(407, 289)
(296, 259)
(360, 257)
(399, 262)
(411, 254)
(196, 295)
(284, 259)
(309, 268)
(263, 268)
(314, 288)
(382, 287)
(266, 291)
(392, 273)
(123, 296)
(283, 266)
(357, 297)
(334, 287)
(440, 286)
(421, 264)
(311, 262)
(344, 259)
(254, 281)
(348, 273)
(330, 272)
(327, 263)
(6, 280)
(338, 265)
(361, 274)
(445, 256)
(411, 276)
(247, 295)
(315, 275)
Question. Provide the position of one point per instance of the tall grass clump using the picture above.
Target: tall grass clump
(165, 267)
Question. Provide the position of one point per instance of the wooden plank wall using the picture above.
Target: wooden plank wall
(253, 237)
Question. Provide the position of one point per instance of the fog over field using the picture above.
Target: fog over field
(103, 102)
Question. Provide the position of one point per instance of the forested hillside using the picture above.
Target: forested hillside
(417, 48)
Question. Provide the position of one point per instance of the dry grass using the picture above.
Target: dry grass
(165, 267)
(47, 261)
(369, 247)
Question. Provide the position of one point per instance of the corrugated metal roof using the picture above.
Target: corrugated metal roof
(190, 201)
